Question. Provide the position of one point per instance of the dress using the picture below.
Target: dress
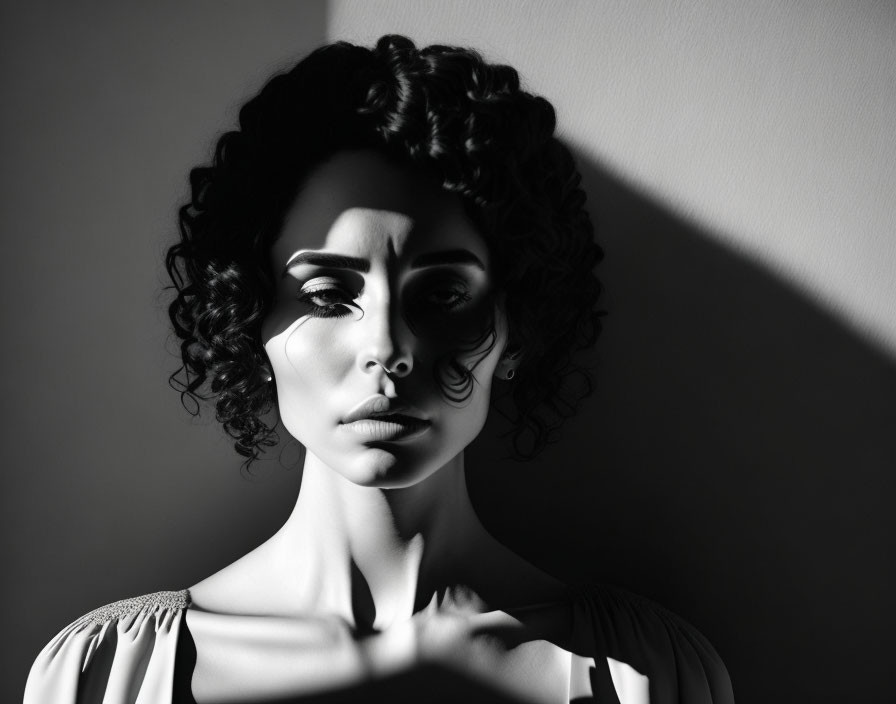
(138, 651)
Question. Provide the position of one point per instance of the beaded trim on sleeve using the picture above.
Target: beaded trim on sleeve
(147, 602)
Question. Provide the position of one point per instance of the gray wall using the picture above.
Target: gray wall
(736, 462)
(111, 489)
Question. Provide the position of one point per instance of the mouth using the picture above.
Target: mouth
(388, 426)
(380, 418)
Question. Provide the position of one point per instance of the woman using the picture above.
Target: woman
(390, 237)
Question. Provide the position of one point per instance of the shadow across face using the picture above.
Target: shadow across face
(384, 304)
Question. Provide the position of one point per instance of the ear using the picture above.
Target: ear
(510, 360)
(511, 352)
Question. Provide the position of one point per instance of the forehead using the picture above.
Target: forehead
(361, 204)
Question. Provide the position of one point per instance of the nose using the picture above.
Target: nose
(385, 342)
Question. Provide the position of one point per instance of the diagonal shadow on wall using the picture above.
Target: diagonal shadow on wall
(735, 464)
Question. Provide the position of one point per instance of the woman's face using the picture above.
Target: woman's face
(383, 276)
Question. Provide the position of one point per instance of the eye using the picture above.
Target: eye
(327, 297)
(447, 296)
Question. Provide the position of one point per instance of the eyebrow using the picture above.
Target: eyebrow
(339, 261)
(453, 256)
(331, 261)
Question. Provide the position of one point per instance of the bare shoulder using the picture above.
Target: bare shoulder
(252, 585)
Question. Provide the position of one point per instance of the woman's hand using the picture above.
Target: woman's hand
(455, 632)
(457, 635)
(458, 632)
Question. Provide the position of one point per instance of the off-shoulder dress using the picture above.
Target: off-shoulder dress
(628, 650)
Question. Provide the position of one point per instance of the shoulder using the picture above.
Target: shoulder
(640, 639)
(105, 649)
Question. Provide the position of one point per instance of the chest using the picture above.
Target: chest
(254, 658)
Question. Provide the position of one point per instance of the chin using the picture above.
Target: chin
(383, 466)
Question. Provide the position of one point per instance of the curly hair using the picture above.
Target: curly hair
(442, 108)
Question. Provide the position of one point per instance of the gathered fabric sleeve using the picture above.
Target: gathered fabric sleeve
(120, 653)
(630, 650)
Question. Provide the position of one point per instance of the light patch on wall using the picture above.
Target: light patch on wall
(767, 124)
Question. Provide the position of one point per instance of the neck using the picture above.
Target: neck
(379, 555)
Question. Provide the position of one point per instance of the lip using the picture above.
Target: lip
(379, 406)
(382, 418)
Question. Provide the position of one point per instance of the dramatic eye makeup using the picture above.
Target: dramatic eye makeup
(328, 283)
(448, 297)
(327, 297)
(440, 292)
(436, 284)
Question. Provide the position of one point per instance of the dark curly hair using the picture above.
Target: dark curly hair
(465, 121)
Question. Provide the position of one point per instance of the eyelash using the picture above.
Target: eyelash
(339, 308)
(461, 296)
(327, 309)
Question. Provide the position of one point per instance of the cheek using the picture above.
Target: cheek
(308, 362)
(472, 339)
(486, 343)
(462, 328)
(466, 419)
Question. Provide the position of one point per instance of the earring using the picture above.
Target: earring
(508, 364)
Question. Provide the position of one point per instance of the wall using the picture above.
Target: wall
(110, 488)
(736, 463)
(766, 122)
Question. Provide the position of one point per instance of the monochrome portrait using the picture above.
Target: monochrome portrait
(460, 351)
